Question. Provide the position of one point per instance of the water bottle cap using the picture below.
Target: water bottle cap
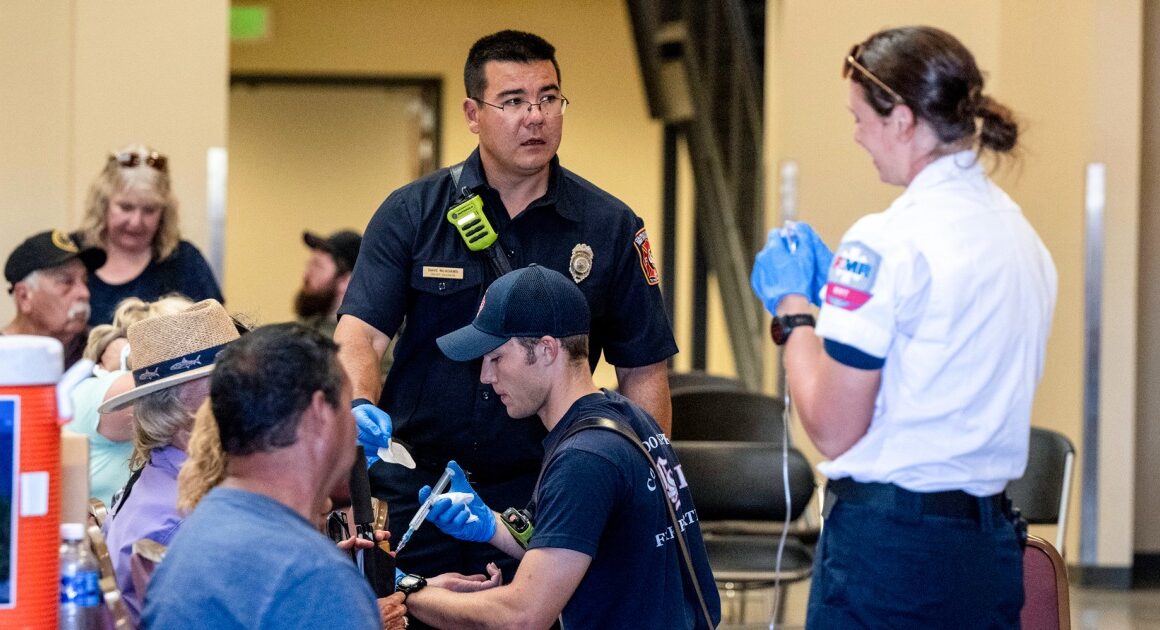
(72, 531)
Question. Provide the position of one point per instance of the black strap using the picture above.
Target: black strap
(456, 172)
(619, 428)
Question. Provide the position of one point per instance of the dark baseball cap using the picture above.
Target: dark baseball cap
(49, 249)
(531, 302)
(343, 245)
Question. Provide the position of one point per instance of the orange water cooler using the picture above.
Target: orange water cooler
(29, 482)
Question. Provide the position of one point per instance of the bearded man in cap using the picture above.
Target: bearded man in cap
(172, 357)
(47, 277)
(325, 278)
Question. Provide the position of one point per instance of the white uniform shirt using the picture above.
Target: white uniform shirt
(952, 286)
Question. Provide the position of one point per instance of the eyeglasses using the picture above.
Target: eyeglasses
(852, 62)
(550, 106)
(130, 160)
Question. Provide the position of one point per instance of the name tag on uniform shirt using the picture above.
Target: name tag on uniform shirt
(851, 276)
(446, 273)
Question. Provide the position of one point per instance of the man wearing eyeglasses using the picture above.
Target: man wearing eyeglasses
(414, 265)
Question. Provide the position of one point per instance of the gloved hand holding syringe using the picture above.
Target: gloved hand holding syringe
(460, 513)
(421, 514)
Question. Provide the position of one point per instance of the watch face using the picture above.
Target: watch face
(777, 331)
(411, 583)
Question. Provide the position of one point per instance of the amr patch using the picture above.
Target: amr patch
(851, 277)
(644, 251)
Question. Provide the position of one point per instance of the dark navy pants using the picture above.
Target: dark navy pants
(884, 562)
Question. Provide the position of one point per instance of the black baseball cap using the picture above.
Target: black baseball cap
(49, 249)
(531, 302)
(343, 245)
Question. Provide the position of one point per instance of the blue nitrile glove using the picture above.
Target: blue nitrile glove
(399, 575)
(463, 517)
(780, 269)
(822, 256)
(374, 427)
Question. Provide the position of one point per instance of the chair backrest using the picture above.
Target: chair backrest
(742, 481)
(1045, 596)
(97, 512)
(110, 593)
(147, 554)
(727, 415)
(1042, 493)
(697, 379)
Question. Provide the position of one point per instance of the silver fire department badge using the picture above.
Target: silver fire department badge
(581, 264)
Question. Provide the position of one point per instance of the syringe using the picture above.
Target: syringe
(420, 515)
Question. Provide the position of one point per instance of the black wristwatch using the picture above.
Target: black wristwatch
(410, 583)
(782, 326)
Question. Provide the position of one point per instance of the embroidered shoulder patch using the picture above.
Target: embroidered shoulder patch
(851, 279)
(644, 251)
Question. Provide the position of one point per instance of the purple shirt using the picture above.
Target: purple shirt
(149, 512)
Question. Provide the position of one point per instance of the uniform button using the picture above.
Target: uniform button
(442, 286)
(485, 394)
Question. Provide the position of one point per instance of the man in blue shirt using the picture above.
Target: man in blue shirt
(601, 550)
(414, 265)
(250, 555)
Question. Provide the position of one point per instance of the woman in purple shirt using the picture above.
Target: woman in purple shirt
(172, 356)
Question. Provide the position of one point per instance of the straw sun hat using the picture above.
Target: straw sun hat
(168, 350)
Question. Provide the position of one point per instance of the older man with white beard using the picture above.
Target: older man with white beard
(48, 281)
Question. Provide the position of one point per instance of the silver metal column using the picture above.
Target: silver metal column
(1094, 200)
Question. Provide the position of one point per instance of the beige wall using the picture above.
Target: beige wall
(1075, 81)
(306, 158)
(608, 138)
(83, 78)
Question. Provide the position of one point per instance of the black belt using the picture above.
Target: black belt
(950, 503)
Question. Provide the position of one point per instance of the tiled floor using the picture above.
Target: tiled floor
(1091, 609)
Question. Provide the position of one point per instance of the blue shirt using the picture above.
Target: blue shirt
(413, 265)
(185, 271)
(244, 560)
(600, 496)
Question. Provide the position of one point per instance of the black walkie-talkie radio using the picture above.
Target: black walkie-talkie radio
(469, 219)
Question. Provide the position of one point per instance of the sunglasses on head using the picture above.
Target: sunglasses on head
(852, 63)
(131, 160)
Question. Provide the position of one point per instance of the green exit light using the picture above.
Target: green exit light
(249, 23)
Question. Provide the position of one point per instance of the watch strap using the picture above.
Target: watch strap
(783, 325)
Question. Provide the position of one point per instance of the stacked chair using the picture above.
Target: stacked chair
(747, 480)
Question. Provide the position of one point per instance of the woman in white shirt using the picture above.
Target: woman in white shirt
(918, 379)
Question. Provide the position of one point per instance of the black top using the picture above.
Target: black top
(414, 265)
(185, 271)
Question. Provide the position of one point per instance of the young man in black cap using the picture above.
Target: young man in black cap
(47, 277)
(601, 550)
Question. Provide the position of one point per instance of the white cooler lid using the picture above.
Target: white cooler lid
(30, 360)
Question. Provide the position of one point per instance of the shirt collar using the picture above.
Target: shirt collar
(168, 458)
(475, 180)
(954, 166)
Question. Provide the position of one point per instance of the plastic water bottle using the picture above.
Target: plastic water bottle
(80, 594)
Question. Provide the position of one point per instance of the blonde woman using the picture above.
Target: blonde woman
(131, 212)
